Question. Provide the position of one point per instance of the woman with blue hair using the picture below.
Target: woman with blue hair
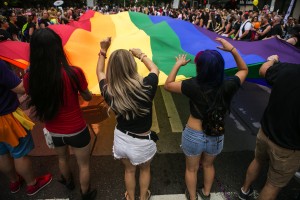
(209, 98)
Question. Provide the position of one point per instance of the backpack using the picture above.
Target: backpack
(213, 120)
(213, 123)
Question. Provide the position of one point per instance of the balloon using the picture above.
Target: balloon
(255, 2)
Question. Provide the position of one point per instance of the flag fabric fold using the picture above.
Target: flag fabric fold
(160, 38)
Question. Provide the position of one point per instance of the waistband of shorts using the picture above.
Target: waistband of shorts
(66, 135)
(147, 137)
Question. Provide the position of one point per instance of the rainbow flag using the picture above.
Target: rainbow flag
(160, 38)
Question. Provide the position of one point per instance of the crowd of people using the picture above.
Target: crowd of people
(236, 24)
(130, 97)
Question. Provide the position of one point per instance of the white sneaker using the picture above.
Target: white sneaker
(297, 174)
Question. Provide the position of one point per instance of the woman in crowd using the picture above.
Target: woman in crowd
(207, 92)
(130, 97)
(53, 87)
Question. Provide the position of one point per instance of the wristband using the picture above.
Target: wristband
(232, 49)
(139, 55)
(143, 55)
(102, 53)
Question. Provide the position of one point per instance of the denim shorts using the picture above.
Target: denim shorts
(24, 147)
(138, 151)
(194, 143)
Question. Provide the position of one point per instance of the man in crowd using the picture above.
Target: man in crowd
(278, 140)
(276, 29)
(244, 32)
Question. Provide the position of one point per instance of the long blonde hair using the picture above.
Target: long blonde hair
(125, 86)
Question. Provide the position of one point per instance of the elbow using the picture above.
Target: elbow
(88, 97)
(261, 73)
(166, 87)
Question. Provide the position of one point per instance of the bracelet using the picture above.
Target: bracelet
(232, 49)
(144, 55)
(139, 55)
(102, 53)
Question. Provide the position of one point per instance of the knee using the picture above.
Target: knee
(192, 169)
(207, 165)
(130, 171)
(65, 157)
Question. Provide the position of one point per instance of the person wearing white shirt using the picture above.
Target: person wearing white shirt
(244, 32)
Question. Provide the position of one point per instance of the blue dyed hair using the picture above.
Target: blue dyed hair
(210, 67)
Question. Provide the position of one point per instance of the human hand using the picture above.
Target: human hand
(181, 60)
(136, 52)
(274, 58)
(226, 46)
(105, 44)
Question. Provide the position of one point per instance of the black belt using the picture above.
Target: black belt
(134, 135)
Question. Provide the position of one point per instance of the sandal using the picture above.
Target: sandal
(149, 195)
(125, 195)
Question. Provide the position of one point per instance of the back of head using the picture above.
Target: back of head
(121, 66)
(47, 59)
(46, 47)
(210, 68)
(125, 85)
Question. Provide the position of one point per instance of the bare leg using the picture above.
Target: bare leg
(63, 161)
(269, 192)
(83, 160)
(208, 172)
(24, 168)
(191, 171)
(144, 179)
(251, 175)
(8, 168)
(129, 178)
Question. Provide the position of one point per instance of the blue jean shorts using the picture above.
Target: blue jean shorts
(24, 147)
(194, 143)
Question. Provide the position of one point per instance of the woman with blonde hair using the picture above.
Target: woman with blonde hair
(130, 96)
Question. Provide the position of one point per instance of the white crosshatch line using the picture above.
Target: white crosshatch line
(175, 122)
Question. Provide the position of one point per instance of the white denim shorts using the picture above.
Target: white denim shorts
(137, 150)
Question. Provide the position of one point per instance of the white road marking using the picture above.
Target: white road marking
(173, 115)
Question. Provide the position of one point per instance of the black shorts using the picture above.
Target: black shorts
(78, 141)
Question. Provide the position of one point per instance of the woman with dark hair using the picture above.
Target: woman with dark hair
(53, 87)
(130, 96)
(209, 95)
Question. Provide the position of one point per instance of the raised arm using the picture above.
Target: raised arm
(241, 65)
(151, 66)
(104, 44)
(271, 61)
(170, 84)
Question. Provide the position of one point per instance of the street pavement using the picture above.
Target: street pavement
(170, 115)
